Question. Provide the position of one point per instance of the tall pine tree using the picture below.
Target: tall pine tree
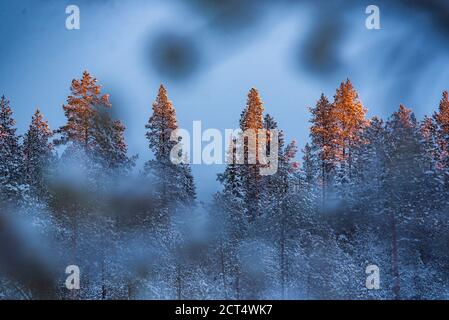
(325, 133)
(252, 122)
(91, 130)
(11, 180)
(38, 155)
(174, 182)
(441, 118)
(350, 116)
(404, 178)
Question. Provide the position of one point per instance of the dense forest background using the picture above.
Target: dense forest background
(367, 191)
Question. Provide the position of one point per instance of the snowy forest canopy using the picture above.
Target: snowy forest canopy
(367, 191)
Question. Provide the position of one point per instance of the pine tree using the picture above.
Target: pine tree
(10, 155)
(442, 116)
(273, 188)
(284, 196)
(429, 133)
(230, 178)
(93, 162)
(350, 116)
(253, 115)
(309, 166)
(284, 185)
(161, 125)
(442, 121)
(38, 155)
(80, 110)
(269, 196)
(252, 122)
(433, 184)
(369, 161)
(228, 212)
(366, 205)
(231, 197)
(187, 184)
(325, 134)
(404, 178)
(110, 148)
(90, 129)
(175, 182)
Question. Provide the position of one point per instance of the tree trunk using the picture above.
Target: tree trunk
(396, 287)
(283, 272)
(223, 271)
(178, 282)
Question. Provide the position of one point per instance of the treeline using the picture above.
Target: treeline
(367, 192)
(86, 203)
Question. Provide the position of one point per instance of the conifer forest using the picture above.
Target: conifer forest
(367, 191)
(355, 208)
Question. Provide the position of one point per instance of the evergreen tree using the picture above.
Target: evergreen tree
(366, 209)
(324, 134)
(442, 121)
(187, 184)
(253, 115)
(273, 186)
(230, 199)
(369, 163)
(38, 155)
(90, 129)
(81, 109)
(175, 182)
(430, 144)
(432, 186)
(111, 148)
(252, 123)
(350, 116)
(231, 220)
(442, 116)
(309, 166)
(161, 125)
(10, 155)
(404, 177)
(92, 163)
(230, 178)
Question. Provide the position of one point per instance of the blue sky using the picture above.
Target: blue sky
(404, 62)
